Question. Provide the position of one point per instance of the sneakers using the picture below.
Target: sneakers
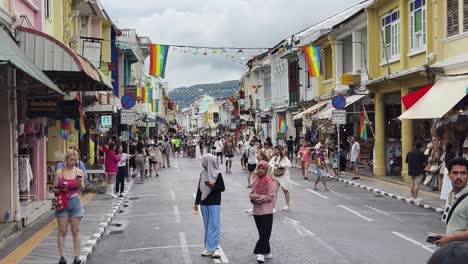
(207, 253)
(274, 210)
(285, 208)
(216, 254)
(269, 256)
(260, 258)
(249, 211)
(77, 260)
(62, 260)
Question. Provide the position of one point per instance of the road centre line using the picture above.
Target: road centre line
(377, 210)
(414, 242)
(294, 183)
(151, 248)
(356, 213)
(318, 194)
(156, 214)
(177, 213)
(342, 195)
(185, 250)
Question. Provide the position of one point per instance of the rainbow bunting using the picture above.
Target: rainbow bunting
(144, 95)
(158, 59)
(282, 127)
(313, 60)
(362, 125)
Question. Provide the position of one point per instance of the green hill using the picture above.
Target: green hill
(184, 96)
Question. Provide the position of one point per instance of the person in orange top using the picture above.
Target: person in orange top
(304, 155)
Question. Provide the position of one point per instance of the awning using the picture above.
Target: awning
(311, 109)
(69, 70)
(11, 53)
(410, 99)
(326, 113)
(442, 97)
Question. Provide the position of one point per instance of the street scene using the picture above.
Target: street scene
(228, 131)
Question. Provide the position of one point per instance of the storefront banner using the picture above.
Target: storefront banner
(92, 52)
(46, 106)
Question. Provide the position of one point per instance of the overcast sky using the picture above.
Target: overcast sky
(245, 23)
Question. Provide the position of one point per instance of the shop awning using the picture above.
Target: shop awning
(311, 109)
(69, 70)
(326, 113)
(11, 53)
(442, 97)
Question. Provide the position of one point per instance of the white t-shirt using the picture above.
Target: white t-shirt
(252, 154)
(219, 146)
(123, 160)
(355, 148)
(245, 146)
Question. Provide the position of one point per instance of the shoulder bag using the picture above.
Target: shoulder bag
(455, 206)
(278, 171)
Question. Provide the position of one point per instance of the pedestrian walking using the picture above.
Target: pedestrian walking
(456, 212)
(68, 182)
(416, 162)
(140, 160)
(111, 168)
(153, 160)
(354, 157)
(229, 149)
(304, 157)
(251, 153)
(166, 151)
(320, 162)
(290, 145)
(122, 172)
(219, 146)
(210, 187)
(280, 170)
(262, 197)
(132, 151)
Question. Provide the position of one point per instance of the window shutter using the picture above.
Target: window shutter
(465, 15)
(452, 17)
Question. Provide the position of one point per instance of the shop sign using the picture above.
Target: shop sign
(349, 79)
(265, 119)
(127, 117)
(106, 121)
(92, 52)
(250, 123)
(50, 106)
(339, 117)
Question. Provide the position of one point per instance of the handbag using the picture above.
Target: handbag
(435, 168)
(61, 201)
(428, 179)
(278, 172)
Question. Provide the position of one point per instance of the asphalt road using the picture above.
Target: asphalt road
(344, 225)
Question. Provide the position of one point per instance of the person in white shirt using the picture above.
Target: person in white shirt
(354, 157)
(219, 146)
(251, 162)
(122, 172)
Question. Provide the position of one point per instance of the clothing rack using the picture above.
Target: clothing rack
(29, 195)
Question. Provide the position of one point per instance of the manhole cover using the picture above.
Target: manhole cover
(134, 198)
(117, 224)
(378, 195)
(116, 232)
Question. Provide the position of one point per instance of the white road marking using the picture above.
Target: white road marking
(299, 229)
(377, 210)
(151, 248)
(356, 213)
(156, 228)
(140, 215)
(294, 183)
(318, 194)
(177, 213)
(342, 195)
(185, 250)
(414, 242)
(172, 195)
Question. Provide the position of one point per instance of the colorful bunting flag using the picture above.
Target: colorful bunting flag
(158, 59)
(313, 60)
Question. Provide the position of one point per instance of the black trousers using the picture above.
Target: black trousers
(264, 224)
(120, 181)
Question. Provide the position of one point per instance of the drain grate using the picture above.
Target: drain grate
(134, 198)
(116, 232)
(378, 195)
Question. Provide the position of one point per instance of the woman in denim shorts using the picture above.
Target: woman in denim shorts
(69, 181)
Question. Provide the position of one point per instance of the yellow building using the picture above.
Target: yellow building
(398, 47)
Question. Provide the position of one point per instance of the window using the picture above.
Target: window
(267, 84)
(452, 18)
(465, 15)
(417, 10)
(47, 8)
(391, 36)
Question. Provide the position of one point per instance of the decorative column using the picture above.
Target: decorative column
(406, 140)
(379, 166)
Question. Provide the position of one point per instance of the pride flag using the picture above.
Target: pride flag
(158, 59)
(362, 125)
(65, 129)
(144, 95)
(313, 60)
(154, 105)
(80, 124)
(282, 127)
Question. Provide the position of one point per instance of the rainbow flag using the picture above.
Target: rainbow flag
(362, 125)
(138, 90)
(313, 60)
(149, 92)
(65, 129)
(282, 127)
(144, 95)
(158, 59)
(154, 105)
(80, 124)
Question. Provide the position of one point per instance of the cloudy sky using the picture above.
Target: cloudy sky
(238, 23)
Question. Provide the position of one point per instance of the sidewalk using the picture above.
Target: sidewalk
(394, 187)
(42, 246)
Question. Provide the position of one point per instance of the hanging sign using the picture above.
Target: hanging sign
(92, 52)
(339, 117)
(128, 101)
(106, 121)
(250, 123)
(127, 117)
(339, 102)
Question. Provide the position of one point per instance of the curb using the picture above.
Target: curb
(384, 193)
(92, 243)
